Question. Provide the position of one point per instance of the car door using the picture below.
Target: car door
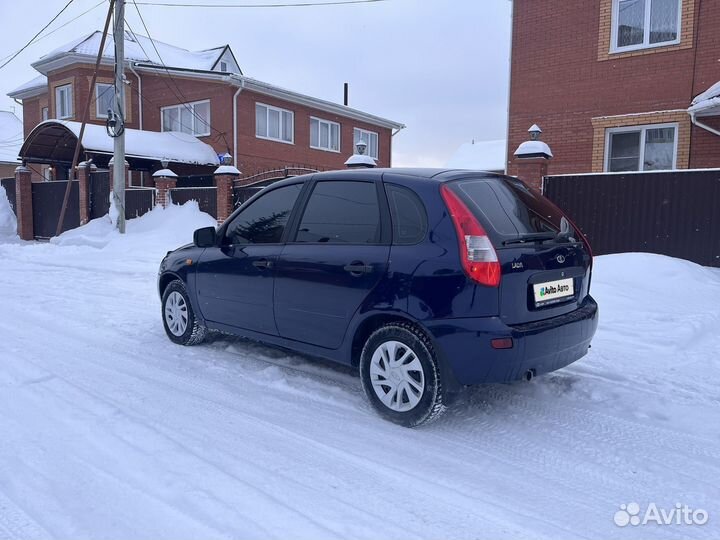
(235, 279)
(337, 256)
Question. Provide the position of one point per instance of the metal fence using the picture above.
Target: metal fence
(195, 180)
(242, 194)
(206, 198)
(138, 201)
(47, 199)
(99, 193)
(673, 213)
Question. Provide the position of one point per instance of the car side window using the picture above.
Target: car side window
(408, 215)
(264, 221)
(341, 213)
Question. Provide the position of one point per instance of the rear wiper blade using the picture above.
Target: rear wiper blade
(538, 237)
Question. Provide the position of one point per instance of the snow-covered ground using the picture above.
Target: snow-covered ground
(108, 430)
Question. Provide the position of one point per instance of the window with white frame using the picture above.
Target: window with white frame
(641, 148)
(104, 96)
(274, 123)
(192, 118)
(324, 135)
(64, 101)
(370, 138)
(44, 113)
(223, 65)
(639, 24)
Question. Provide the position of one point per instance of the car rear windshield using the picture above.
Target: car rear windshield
(507, 208)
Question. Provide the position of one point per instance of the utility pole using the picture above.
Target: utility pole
(119, 105)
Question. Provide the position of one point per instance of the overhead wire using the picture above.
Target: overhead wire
(176, 91)
(267, 5)
(13, 56)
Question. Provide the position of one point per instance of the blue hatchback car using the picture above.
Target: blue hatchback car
(426, 280)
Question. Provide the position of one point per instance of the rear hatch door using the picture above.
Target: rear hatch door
(546, 263)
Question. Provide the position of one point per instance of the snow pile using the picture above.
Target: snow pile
(150, 235)
(110, 430)
(8, 221)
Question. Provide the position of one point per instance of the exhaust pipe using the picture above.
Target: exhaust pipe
(529, 375)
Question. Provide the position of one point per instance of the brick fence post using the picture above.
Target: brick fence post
(83, 176)
(23, 203)
(532, 159)
(225, 177)
(532, 170)
(165, 180)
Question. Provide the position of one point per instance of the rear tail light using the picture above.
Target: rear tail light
(477, 253)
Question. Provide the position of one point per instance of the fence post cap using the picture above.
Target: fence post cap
(360, 160)
(112, 162)
(532, 149)
(227, 169)
(22, 169)
(164, 173)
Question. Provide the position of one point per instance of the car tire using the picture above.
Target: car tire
(181, 324)
(401, 376)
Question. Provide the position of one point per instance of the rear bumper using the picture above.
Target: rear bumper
(541, 346)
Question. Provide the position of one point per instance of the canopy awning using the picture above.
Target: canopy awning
(707, 103)
(53, 141)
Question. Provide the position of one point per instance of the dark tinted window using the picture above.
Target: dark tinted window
(508, 207)
(408, 215)
(341, 212)
(264, 221)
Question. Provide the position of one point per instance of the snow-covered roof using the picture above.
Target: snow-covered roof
(206, 64)
(707, 103)
(11, 137)
(38, 85)
(480, 156)
(172, 146)
(533, 149)
(138, 49)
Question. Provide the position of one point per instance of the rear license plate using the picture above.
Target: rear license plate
(552, 292)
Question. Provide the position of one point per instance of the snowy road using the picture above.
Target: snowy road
(108, 430)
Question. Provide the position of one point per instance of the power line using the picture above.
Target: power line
(177, 92)
(36, 35)
(251, 6)
(51, 32)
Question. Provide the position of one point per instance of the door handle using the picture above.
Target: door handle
(262, 263)
(357, 268)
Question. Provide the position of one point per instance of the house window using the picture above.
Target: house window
(104, 96)
(44, 113)
(324, 135)
(639, 24)
(191, 118)
(273, 123)
(64, 101)
(641, 148)
(223, 66)
(370, 138)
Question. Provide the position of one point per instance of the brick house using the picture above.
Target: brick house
(201, 93)
(617, 85)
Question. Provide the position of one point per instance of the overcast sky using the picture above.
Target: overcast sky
(438, 66)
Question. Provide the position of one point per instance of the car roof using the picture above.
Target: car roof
(438, 175)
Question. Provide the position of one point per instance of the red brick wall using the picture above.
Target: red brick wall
(31, 114)
(559, 82)
(254, 154)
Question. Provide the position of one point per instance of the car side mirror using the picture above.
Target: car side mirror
(205, 237)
